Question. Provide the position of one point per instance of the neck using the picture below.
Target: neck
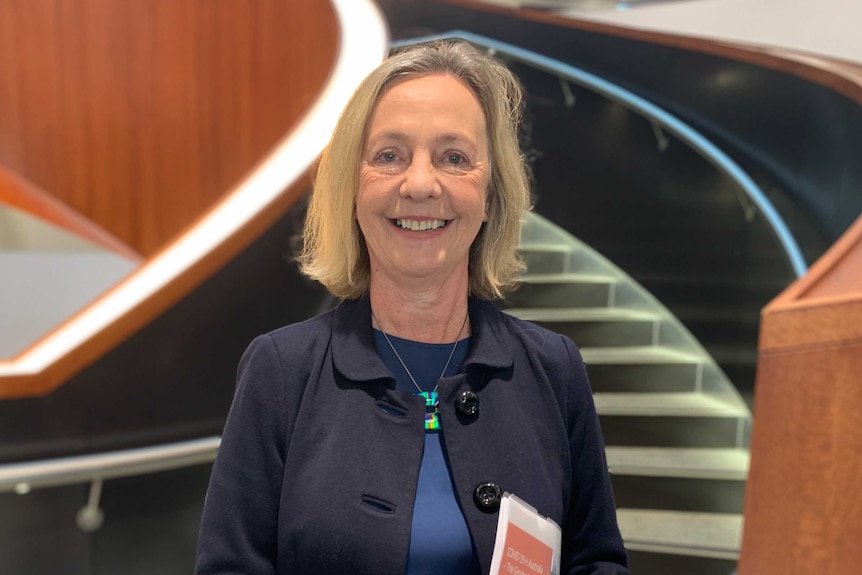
(428, 315)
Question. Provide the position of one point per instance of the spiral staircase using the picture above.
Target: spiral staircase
(676, 431)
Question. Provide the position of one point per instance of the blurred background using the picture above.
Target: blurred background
(697, 175)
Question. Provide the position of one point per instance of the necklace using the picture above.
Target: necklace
(432, 400)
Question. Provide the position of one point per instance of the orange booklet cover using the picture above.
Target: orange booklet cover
(527, 543)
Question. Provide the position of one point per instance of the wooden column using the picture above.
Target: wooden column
(803, 510)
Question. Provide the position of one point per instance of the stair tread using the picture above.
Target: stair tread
(688, 462)
(545, 247)
(682, 532)
(683, 404)
(567, 277)
(637, 355)
(582, 314)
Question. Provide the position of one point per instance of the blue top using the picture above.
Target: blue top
(440, 541)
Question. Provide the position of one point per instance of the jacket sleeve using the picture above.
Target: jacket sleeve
(591, 538)
(239, 522)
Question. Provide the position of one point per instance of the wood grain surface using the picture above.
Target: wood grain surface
(43, 382)
(18, 193)
(140, 115)
(803, 510)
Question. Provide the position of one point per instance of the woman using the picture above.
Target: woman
(378, 437)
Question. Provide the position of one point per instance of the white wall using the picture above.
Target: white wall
(827, 27)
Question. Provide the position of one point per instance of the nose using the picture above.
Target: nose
(420, 179)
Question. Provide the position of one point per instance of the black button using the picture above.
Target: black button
(467, 403)
(487, 496)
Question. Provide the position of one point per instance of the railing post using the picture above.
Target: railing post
(90, 517)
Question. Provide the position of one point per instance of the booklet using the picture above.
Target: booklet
(526, 543)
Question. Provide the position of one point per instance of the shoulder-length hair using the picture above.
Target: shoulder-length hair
(334, 250)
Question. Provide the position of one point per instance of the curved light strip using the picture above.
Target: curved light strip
(363, 44)
(634, 102)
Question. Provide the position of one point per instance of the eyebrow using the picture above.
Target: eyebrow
(443, 138)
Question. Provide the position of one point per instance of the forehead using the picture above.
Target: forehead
(430, 99)
(441, 80)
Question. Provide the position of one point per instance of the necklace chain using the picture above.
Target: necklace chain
(404, 365)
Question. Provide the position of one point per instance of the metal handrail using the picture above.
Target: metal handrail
(653, 113)
(95, 468)
(28, 475)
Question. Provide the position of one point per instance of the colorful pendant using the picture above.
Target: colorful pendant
(432, 410)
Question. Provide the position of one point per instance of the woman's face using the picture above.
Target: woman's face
(423, 181)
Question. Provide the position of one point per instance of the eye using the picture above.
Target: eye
(455, 159)
(386, 157)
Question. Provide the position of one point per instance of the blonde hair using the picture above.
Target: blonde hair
(334, 251)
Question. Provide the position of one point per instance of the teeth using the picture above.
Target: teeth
(418, 226)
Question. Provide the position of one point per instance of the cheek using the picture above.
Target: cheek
(364, 196)
(372, 187)
(360, 213)
(370, 177)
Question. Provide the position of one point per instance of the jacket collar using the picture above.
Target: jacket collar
(355, 355)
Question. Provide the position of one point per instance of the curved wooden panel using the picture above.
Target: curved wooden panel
(802, 494)
(140, 115)
(17, 192)
(34, 384)
(275, 182)
(839, 76)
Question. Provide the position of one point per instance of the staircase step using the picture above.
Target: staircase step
(641, 355)
(597, 326)
(570, 277)
(684, 479)
(670, 404)
(582, 314)
(675, 453)
(690, 419)
(647, 368)
(647, 563)
(656, 377)
(562, 290)
(713, 535)
(686, 462)
(546, 258)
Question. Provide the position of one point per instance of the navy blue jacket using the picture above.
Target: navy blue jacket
(319, 460)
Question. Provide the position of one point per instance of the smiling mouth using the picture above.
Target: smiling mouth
(421, 226)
